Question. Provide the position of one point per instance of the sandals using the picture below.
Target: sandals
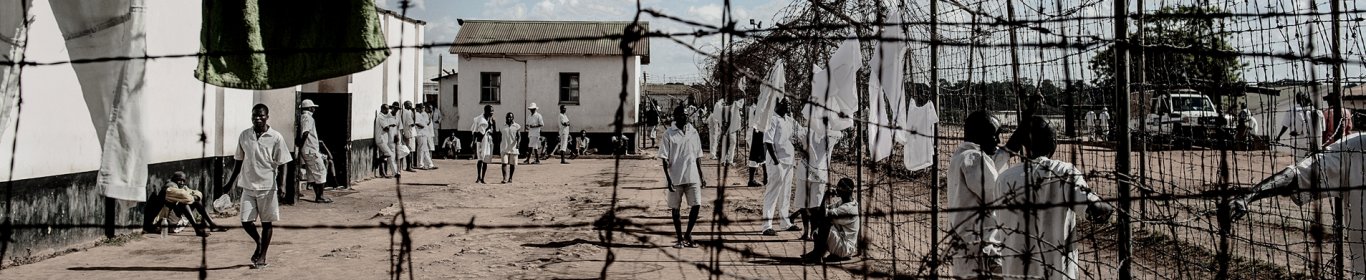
(322, 200)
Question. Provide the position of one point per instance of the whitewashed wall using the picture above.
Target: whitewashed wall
(599, 89)
(55, 135)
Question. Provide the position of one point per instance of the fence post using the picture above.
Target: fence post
(934, 179)
(1121, 90)
(1339, 259)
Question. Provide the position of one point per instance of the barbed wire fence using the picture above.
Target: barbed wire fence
(963, 56)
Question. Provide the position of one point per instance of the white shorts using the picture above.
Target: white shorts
(510, 159)
(315, 168)
(264, 205)
(693, 192)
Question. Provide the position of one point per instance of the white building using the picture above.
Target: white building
(57, 153)
(586, 76)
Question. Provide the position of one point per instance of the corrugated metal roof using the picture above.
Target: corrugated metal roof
(481, 37)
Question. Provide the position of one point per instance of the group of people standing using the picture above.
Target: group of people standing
(484, 126)
(406, 137)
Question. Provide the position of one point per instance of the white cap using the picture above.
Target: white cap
(533, 106)
(307, 104)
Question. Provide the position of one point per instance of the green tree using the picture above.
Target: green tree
(1186, 46)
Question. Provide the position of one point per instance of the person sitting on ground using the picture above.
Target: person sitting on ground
(836, 228)
(452, 146)
(581, 144)
(179, 198)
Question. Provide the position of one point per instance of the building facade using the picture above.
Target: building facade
(588, 77)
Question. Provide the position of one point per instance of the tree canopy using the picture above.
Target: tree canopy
(1186, 47)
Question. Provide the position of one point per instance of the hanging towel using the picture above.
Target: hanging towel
(276, 44)
(834, 92)
(885, 84)
(768, 97)
(112, 89)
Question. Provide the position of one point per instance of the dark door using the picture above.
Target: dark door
(333, 119)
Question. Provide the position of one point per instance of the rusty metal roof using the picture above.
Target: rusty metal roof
(482, 37)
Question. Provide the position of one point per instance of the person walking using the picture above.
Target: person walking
(261, 153)
(680, 152)
(422, 122)
(511, 139)
(313, 161)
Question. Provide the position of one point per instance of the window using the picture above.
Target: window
(569, 88)
(455, 95)
(490, 84)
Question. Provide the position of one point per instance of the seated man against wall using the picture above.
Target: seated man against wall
(836, 228)
(179, 198)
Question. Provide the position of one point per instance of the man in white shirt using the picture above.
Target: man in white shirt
(512, 137)
(1092, 127)
(434, 112)
(563, 147)
(973, 172)
(452, 146)
(836, 227)
(1103, 121)
(812, 173)
(1338, 173)
(483, 142)
(533, 136)
(262, 152)
(680, 151)
(1039, 239)
(408, 124)
(778, 192)
(312, 159)
(714, 130)
(421, 145)
(383, 143)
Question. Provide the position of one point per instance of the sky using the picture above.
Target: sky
(669, 61)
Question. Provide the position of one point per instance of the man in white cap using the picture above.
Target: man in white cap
(313, 161)
(534, 124)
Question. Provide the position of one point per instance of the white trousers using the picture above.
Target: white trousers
(715, 143)
(728, 152)
(778, 194)
(424, 152)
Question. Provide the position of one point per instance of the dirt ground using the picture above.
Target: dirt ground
(542, 197)
(541, 227)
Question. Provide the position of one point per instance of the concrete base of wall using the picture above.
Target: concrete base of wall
(54, 213)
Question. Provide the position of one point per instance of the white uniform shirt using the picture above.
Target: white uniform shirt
(381, 121)
(779, 134)
(406, 121)
(736, 116)
(1103, 120)
(844, 225)
(1048, 236)
(714, 119)
(972, 183)
(1307, 123)
(308, 127)
(260, 156)
(534, 124)
(424, 124)
(1340, 168)
(1091, 120)
(512, 137)
(681, 148)
(564, 125)
(482, 125)
(918, 151)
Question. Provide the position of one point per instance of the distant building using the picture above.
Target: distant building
(669, 95)
(583, 75)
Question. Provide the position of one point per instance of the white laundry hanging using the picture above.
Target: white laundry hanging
(918, 151)
(885, 89)
(834, 92)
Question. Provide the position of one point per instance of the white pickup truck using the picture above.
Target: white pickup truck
(1181, 118)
